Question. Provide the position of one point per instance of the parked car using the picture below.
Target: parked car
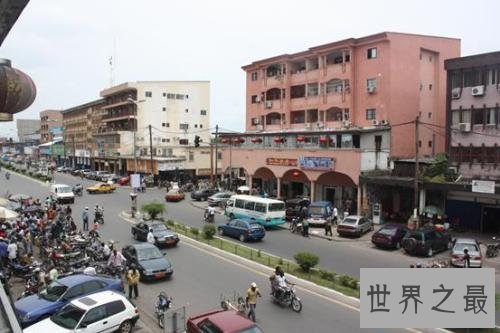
(318, 212)
(426, 241)
(242, 229)
(390, 236)
(199, 195)
(221, 321)
(76, 172)
(149, 260)
(113, 178)
(105, 311)
(103, 177)
(163, 235)
(124, 180)
(67, 169)
(85, 172)
(60, 169)
(92, 175)
(294, 206)
(61, 291)
(457, 252)
(218, 199)
(174, 195)
(354, 225)
(101, 188)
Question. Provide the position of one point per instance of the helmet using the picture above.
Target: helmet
(133, 266)
(86, 208)
(151, 229)
(253, 285)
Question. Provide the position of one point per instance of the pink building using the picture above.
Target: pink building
(316, 119)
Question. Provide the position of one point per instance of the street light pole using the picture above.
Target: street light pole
(130, 99)
(216, 155)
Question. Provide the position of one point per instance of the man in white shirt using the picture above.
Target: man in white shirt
(335, 215)
(12, 250)
(116, 259)
(106, 250)
(53, 274)
(151, 237)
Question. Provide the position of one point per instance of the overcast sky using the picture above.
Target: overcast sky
(65, 45)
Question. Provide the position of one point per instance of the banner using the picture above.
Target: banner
(316, 163)
(282, 161)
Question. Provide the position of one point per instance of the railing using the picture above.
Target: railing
(119, 115)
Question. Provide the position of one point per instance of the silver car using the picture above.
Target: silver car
(354, 225)
(457, 252)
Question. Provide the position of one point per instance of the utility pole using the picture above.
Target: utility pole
(135, 147)
(416, 194)
(216, 155)
(230, 165)
(151, 152)
(211, 162)
(74, 152)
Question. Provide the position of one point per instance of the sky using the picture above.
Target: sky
(65, 45)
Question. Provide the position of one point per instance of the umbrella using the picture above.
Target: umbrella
(432, 210)
(7, 213)
(19, 197)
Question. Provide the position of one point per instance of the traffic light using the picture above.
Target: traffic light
(197, 141)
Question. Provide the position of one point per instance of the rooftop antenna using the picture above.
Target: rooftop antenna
(111, 65)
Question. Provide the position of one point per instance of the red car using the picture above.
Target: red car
(222, 321)
(124, 180)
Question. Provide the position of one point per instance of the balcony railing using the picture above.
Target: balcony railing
(129, 114)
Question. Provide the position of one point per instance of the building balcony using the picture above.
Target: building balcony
(304, 102)
(342, 70)
(129, 114)
(304, 76)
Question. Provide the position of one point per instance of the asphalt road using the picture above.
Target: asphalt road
(200, 277)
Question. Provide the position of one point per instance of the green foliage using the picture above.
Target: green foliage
(438, 167)
(195, 231)
(209, 231)
(348, 281)
(306, 260)
(153, 209)
(326, 275)
(170, 223)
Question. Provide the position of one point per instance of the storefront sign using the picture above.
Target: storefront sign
(170, 166)
(281, 161)
(483, 186)
(316, 163)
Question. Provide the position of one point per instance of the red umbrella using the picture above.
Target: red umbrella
(224, 140)
(238, 140)
(301, 138)
(323, 139)
(279, 140)
(256, 140)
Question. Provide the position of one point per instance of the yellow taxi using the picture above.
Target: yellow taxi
(101, 188)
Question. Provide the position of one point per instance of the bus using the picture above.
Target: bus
(267, 212)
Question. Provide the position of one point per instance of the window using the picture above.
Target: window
(94, 315)
(430, 58)
(255, 76)
(149, 94)
(466, 116)
(74, 292)
(254, 99)
(420, 143)
(163, 124)
(195, 125)
(163, 140)
(187, 96)
(490, 116)
(371, 84)
(455, 117)
(429, 144)
(170, 96)
(371, 114)
(219, 155)
(430, 86)
(201, 125)
(184, 126)
(164, 109)
(429, 115)
(203, 112)
(183, 141)
(312, 89)
(187, 110)
(378, 142)
(371, 53)
(250, 205)
(91, 286)
(493, 76)
(164, 94)
(346, 141)
(298, 117)
(168, 140)
(260, 207)
(179, 96)
(239, 203)
(191, 156)
(421, 86)
(477, 117)
(168, 125)
(114, 308)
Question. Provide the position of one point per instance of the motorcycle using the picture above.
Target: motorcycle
(78, 190)
(209, 216)
(287, 297)
(296, 226)
(163, 304)
(492, 248)
(30, 288)
(99, 216)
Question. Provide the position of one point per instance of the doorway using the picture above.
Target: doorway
(329, 194)
(491, 216)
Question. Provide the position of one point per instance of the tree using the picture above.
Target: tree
(153, 209)
(306, 260)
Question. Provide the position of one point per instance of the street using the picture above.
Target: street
(200, 276)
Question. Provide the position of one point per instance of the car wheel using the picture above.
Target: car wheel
(243, 238)
(430, 252)
(221, 232)
(126, 327)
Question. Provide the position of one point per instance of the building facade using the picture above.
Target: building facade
(79, 123)
(28, 130)
(473, 139)
(50, 125)
(164, 115)
(315, 120)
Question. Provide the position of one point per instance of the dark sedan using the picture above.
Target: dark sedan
(203, 194)
(149, 260)
(244, 230)
(163, 235)
(390, 236)
(426, 241)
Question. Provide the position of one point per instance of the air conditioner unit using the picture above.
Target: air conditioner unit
(375, 122)
(384, 122)
(464, 127)
(371, 89)
(269, 104)
(346, 123)
(255, 121)
(257, 99)
(453, 169)
(456, 93)
(478, 91)
(320, 124)
(259, 127)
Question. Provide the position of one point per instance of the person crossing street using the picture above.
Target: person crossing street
(133, 277)
(252, 293)
(85, 218)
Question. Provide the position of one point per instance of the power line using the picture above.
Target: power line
(457, 130)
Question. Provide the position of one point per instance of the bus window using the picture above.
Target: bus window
(239, 203)
(260, 207)
(276, 207)
(249, 205)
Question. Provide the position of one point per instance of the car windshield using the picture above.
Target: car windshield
(276, 207)
(149, 253)
(254, 329)
(387, 231)
(349, 221)
(316, 210)
(53, 291)
(159, 227)
(68, 317)
(460, 247)
(65, 189)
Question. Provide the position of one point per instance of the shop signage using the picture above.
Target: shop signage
(483, 186)
(282, 161)
(170, 166)
(316, 163)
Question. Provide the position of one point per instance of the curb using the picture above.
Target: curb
(27, 177)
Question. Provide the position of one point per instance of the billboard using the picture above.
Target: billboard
(316, 163)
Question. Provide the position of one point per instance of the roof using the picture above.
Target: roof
(466, 240)
(143, 245)
(476, 60)
(254, 198)
(90, 301)
(73, 280)
(84, 106)
(230, 321)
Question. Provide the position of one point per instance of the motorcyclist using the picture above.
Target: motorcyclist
(283, 284)
(7, 175)
(116, 259)
(94, 234)
(98, 214)
(78, 189)
(209, 214)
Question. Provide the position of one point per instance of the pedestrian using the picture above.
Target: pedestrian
(54, 273)
(328, 226)
(151, 237)
(335, 215)
(466, 258)
(133, 277)
(251, 300)
(12, 250)
(85, 218)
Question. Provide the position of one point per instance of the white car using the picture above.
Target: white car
(106, 311)
(457, 252)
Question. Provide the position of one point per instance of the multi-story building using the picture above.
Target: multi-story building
(28, 130)
(164, 115)
(50, 125)
(317, 119)
(79, 123)
(473, 133)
